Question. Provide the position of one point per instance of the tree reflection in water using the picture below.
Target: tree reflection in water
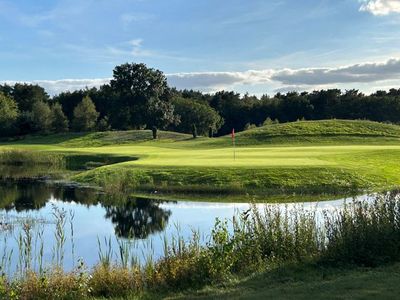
(132, 217)
(138, 218)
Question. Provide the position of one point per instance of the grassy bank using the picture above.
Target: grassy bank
(315, 157)
(277, 248)
(307, 282)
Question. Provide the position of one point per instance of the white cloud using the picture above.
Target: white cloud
(367, 76)
(54, 87)
(209, 81)
(380, 7)
(367, 72)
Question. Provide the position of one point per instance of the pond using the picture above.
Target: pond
(101, 222)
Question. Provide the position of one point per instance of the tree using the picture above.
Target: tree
(160, 114)
(68, 101)
(199, 113)
(27, 94)
(8, 113)
(142, 96)
(103, 124)
(85, 115)
(59, 120)
(41, 116)
(234, 110)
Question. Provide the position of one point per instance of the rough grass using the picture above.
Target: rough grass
(331, 156)
(307, 283)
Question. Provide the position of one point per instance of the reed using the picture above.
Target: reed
(24, 157)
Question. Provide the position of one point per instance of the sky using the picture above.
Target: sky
(254, 46)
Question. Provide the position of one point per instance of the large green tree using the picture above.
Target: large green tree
(85, 115)
(8, 112)
(198, 113)
(142, 97)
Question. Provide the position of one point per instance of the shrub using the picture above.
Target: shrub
(365, 234)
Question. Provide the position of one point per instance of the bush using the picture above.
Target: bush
(365, 234)
(249, 126)
(114, 281)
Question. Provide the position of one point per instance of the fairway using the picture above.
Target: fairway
(300, 157)
(164, 155)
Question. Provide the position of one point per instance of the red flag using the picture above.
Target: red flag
(233, 133)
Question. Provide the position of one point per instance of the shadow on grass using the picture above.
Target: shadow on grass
(309, 282)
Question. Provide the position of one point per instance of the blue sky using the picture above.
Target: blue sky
(254, 46)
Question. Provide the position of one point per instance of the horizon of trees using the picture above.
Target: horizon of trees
(139, 97)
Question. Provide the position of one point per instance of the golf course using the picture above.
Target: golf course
(174, 177)
(304, 158)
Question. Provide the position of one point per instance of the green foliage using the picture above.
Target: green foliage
(201, 114)
(59, 122)
(85, 115)
(27, 94)
(268, 121)
(104, 124)
(249, 126)
(8, 112)
(221, 251)
(160, 113)
(365, 234)
(29, 158)
(143, 97)
(42, 117)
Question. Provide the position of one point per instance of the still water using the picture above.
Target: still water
(96, 217)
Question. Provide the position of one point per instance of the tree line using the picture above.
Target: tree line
(139, 97)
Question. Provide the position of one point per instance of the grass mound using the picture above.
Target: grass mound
(98, 139)
(325, 131)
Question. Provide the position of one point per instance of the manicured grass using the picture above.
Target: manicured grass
(302, 157)
(308, 283)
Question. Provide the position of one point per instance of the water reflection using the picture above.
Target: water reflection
(132, 217)
(138, 218)
(144, 223)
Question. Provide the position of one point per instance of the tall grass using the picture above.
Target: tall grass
(360, 233)
(21, 157)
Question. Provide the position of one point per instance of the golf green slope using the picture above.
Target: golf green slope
(309, 157)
